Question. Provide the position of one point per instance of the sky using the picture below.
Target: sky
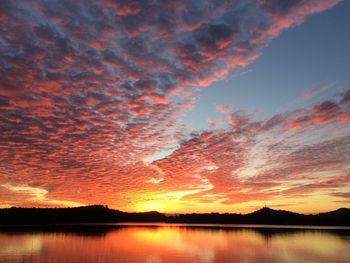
(175, 106)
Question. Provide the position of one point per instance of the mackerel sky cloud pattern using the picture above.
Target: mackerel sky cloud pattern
(91, 91)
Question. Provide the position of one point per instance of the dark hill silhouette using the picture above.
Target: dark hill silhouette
(338, 217)
(84, 214)
(102, 214)
(279, 217)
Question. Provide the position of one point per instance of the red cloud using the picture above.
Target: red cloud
(90, 90)
(323, 113)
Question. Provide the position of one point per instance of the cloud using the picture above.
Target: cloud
(345, 195)
(262, 160)
(90, 89)
(310, 93)
(286, 14)
(32, 195)
(323, 113)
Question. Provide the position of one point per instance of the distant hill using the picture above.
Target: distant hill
(84, 214)
(268, 216)
(102, 214)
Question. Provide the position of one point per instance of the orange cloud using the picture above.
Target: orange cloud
(90, 90)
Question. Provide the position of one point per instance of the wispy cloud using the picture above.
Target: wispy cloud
(310, 93)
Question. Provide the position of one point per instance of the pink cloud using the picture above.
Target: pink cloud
(90, 90)
(323, 113)
(311, 93)
(287, 14)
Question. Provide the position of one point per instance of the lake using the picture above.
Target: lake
(172, 243)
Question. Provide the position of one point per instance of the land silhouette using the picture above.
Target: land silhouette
(102, 214)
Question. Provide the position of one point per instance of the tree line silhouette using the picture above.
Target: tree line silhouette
(102, 214)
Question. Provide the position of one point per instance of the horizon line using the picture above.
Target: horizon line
(173, 213)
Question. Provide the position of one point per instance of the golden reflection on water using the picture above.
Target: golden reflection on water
(174, 244)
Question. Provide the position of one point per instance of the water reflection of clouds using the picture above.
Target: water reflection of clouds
(178, 244)
(172, 239)
(20, 244)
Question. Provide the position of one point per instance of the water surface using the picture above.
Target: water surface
(173, 243)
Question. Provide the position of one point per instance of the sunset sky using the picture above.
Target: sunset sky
(175, 106)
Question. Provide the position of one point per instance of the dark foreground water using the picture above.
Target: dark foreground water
(172, 243)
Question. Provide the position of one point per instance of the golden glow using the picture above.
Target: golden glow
(177, 202)
(39, 195)
(169, 243)
(160, 206)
